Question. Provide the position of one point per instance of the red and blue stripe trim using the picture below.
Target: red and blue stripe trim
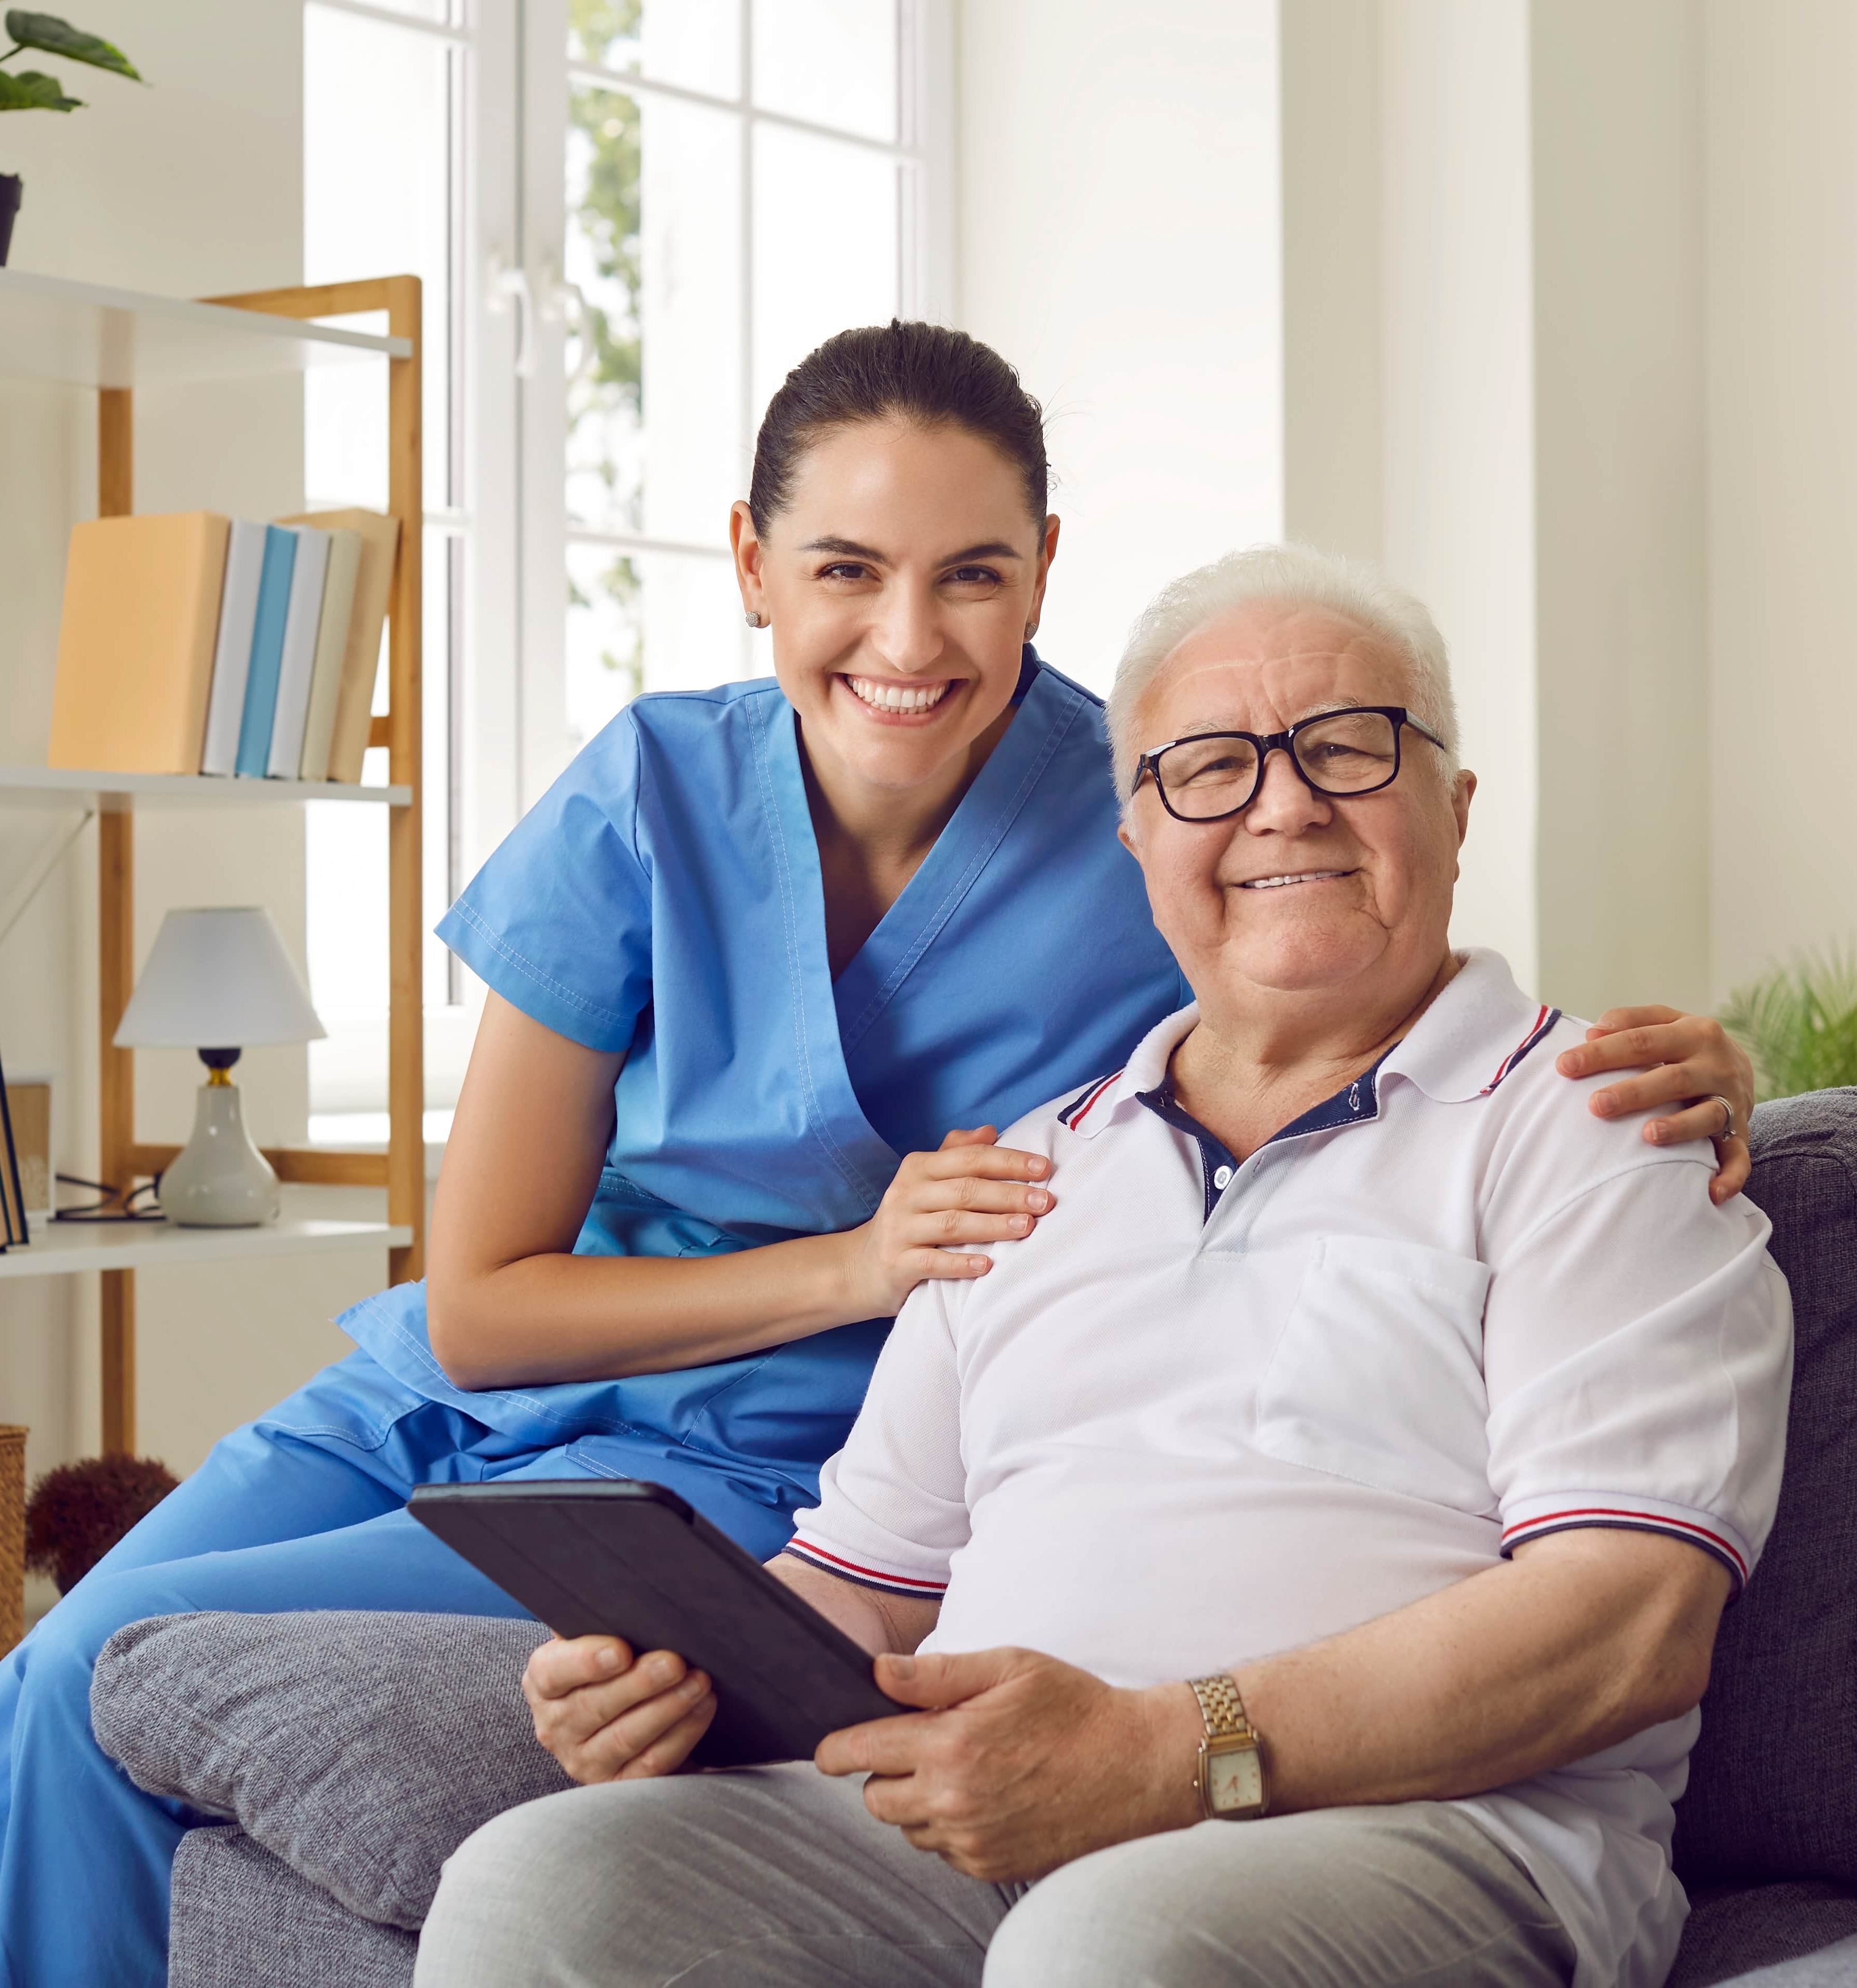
(1629, 1518)
(865, 1577)
(1545, 1019)
(1079, 1107)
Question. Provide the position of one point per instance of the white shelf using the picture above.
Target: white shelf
(117, 794)
(84, 335)
(62, 1248)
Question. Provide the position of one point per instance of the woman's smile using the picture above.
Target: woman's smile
(891, 702)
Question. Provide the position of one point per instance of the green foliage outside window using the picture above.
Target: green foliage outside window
(608, 217)
(1799, 1025)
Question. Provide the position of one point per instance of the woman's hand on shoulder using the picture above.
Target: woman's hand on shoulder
(607, 1716)
(1689, 1061)
(971, 1190)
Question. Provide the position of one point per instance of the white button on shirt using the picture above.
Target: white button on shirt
(1447, 1311)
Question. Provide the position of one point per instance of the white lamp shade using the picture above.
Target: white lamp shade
(218, 979)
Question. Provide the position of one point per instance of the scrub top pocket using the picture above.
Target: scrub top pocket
(1377, 1376)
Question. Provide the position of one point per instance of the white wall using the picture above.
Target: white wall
(1621, 571)
(1457, 501)
(1779, 104)
(1118, 242)
(192, 187)
(1409, 379)
(1334, 367)
(1494, 386)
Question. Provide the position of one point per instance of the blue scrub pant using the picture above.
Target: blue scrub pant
(304, 1508)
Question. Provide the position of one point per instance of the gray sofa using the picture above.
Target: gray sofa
(345, 1756)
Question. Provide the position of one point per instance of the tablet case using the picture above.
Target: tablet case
(631, 1559)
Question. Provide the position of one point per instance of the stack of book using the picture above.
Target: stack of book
(195, 644)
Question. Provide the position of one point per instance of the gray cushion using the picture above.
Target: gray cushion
(241, 1919)
(1772, 1777)
(361, 1748)
(1810, 1931)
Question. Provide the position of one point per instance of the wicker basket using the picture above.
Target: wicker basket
(12, 1536)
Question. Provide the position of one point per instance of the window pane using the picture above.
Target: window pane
(436, 681)
(825, 248)
(831, 61)
(377, 106)
(654, 230)
(695, 43)
(346, 914)
(639, 621)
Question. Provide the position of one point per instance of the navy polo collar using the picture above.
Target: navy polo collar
(1351, 1105)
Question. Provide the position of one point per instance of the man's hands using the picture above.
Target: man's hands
(1680, 1059)
(970, 1190)
(1018, 1763)
(1015, 1764)
(607, 1718)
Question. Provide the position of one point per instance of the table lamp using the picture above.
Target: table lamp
(218, 981)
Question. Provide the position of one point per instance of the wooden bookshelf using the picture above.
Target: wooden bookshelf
(62, 1248)
(64, 333)
(113, 341)
(40, 786)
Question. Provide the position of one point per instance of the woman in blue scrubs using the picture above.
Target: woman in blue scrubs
(753, 961)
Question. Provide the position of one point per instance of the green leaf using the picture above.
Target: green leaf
(51, 36)
(1800, 1024)
(32, 90)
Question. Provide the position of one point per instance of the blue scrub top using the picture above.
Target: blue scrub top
(664, 898)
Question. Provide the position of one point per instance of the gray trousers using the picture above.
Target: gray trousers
(778, 1877)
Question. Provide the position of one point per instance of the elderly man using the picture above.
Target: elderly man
(1361, 1452)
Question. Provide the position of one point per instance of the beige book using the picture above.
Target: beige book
(379, 538)
(136, 643)
(28, 1105)
(331, 653)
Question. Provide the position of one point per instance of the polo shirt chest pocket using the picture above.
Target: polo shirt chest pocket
(1377, 1376)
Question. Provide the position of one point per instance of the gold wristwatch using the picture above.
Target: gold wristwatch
(1230, 1777)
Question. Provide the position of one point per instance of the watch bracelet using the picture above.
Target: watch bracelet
(1221, 1706)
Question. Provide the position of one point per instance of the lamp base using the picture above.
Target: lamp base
(220, 1180)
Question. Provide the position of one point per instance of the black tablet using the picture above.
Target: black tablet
(630, 1559)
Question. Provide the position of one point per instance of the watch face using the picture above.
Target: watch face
(1234, 1779)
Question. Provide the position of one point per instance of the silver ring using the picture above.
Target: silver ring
(1728, 1130)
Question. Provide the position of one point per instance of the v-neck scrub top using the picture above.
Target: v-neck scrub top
(664, 898)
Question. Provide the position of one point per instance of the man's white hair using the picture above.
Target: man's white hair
(1300, 576)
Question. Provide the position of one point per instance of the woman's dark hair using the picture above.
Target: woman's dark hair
(922, 373)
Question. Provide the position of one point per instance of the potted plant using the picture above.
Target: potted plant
(1800, 1024)
(32, 89)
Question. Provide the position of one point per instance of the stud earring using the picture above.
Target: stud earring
(755, 621)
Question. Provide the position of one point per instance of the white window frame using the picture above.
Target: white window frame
(504, 702)
(467, 749)
(924, 150)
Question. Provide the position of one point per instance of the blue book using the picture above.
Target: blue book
(267, 651)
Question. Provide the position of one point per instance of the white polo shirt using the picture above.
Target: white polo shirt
(1210, 1411)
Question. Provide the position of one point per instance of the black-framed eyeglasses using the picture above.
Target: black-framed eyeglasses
(1215, 774)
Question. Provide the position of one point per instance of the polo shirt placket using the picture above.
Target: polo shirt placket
(1355, 1103)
